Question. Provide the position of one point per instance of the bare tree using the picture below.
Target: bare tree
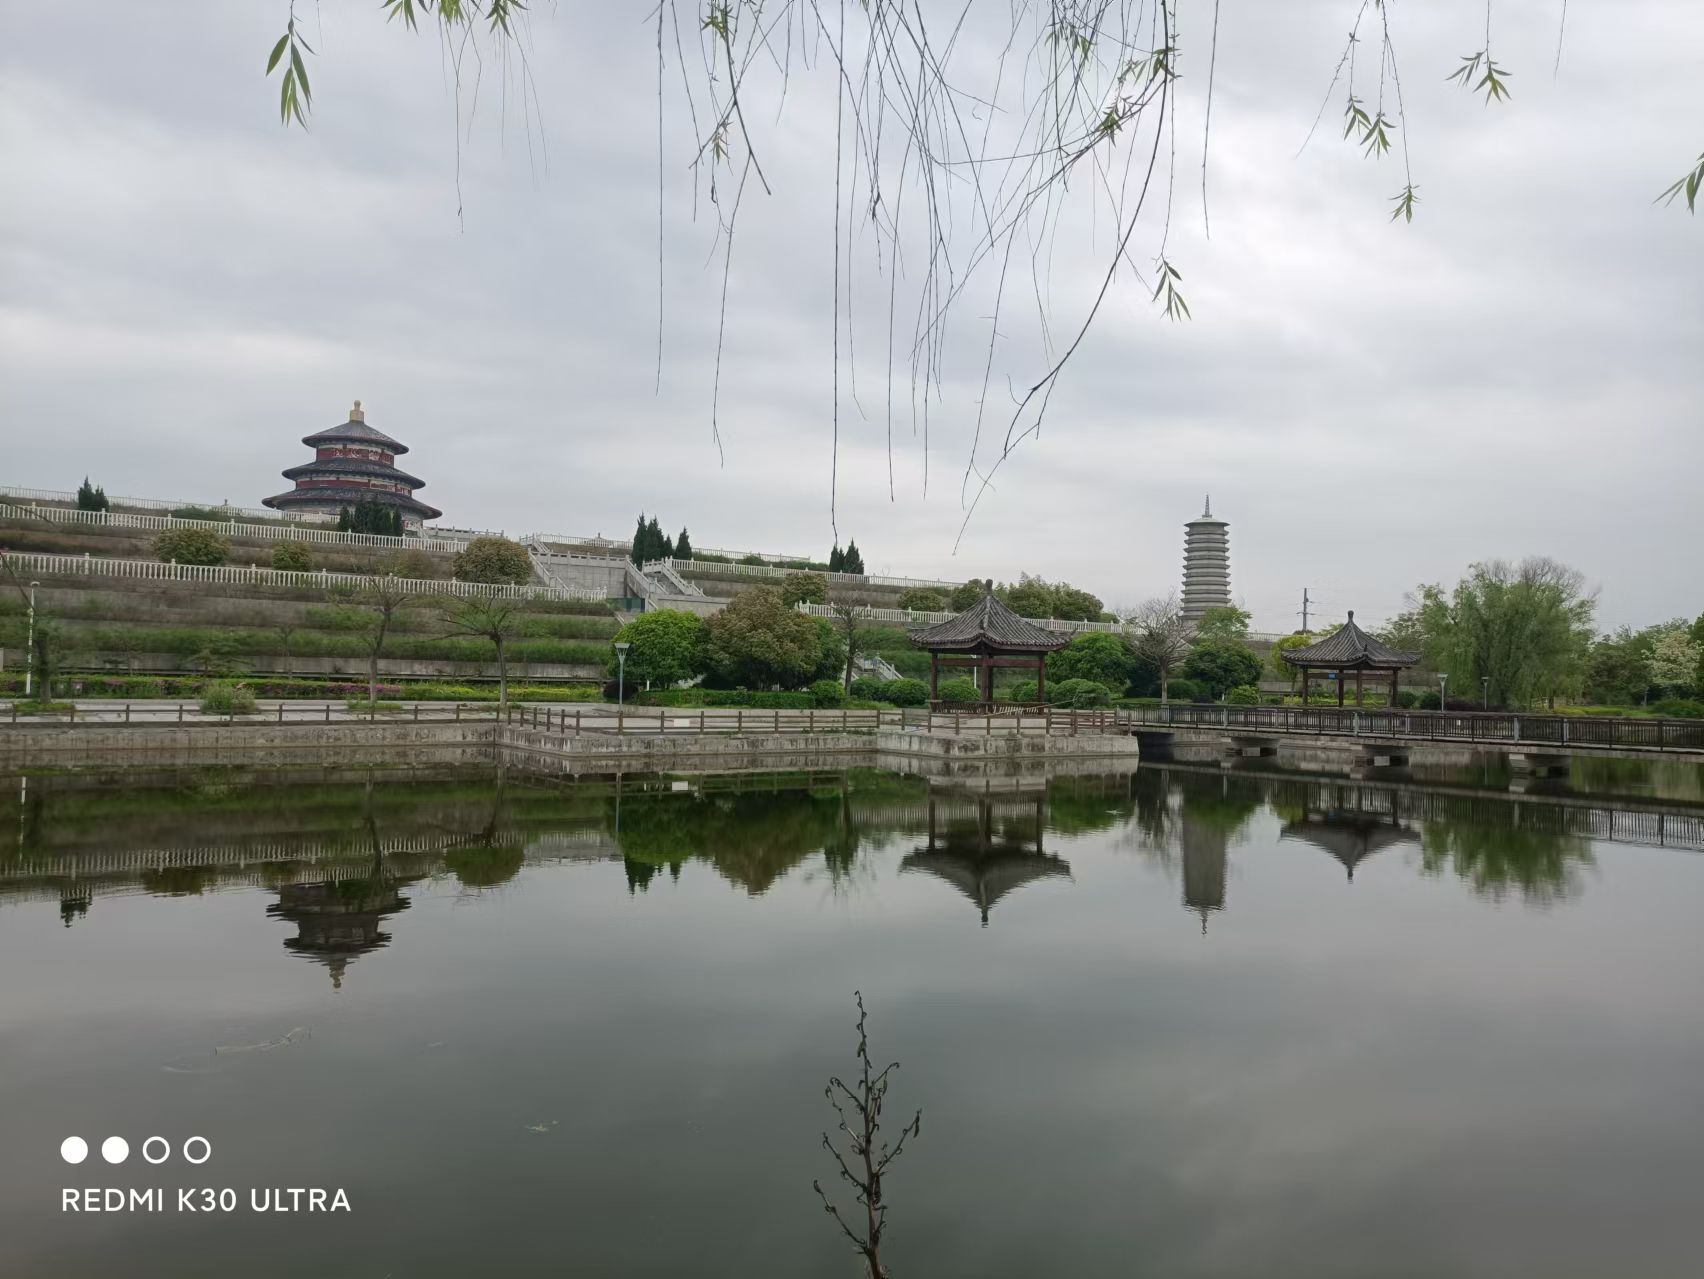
(489, 617)
(385, 599)
(860, 1111)
(1160, 633)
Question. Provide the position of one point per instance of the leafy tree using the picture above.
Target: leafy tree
(292, 556)
(683, 546)
(923, 599)
(1281, 668)
(90, 498)
(1037, 597)
(804, 588)
(837, 560)
(852, 636)
(484, 617)
(1161, 636)
(905, 692)
(758, 641)
(1674, 661)
(345, 520)
(1102, 657)
(667, 647)
(191, 546)
(833, 647)
(1223, 623)
(966, 596)
(853, 561)
(494, 561)
(1527, 627)
(1219, 665)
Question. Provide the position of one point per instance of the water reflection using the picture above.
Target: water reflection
(338, 851)
(986, 847)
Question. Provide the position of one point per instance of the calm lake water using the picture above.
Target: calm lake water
(1182, 1022)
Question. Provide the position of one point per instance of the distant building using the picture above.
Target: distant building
(1206, 564)
(353, 462)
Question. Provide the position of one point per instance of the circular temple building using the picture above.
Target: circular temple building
(1206, 565)
(353, 462)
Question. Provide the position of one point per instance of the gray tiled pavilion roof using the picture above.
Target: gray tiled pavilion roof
(988, 622)
(1349, 648)
(354, 432)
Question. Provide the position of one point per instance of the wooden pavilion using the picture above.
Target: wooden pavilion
(985, 636)
(1350, 649)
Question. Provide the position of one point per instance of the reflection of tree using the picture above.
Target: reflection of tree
(751, 839)
(179, 881)
(487, 861)
(1083, 805)
(1542, 866)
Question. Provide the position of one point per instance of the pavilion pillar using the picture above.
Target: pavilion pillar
(1041, 678)
(934, 676)
(1307, 683)
(1340, 687)
(987, 678)
(1393, 688)
(1357, 686)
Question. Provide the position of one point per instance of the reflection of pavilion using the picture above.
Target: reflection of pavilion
(987, 853)
(339, 919)
(1350, 837)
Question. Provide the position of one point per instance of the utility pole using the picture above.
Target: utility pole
(1305, 603)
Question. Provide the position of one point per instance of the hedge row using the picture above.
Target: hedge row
(241, 642)
(120, 687)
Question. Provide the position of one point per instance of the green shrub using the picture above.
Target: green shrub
(1243, 695)
(495, 561)
(205, 513)
(867, 688)
(1185, 690)
(958, 690)
(380, 707)
(191, 546)
(758, 699)
(413, 565)
(1405, 698)
(924, 599)
(1427, 701)
(905, 692)
(827, 692)
(292, 556)
(1678, 708)
(1025, 691)
(1079, 694)
(227, 699)
(752, 559)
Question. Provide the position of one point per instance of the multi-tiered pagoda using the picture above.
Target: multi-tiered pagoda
(352, 463)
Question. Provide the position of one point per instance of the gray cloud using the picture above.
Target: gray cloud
(186, 289)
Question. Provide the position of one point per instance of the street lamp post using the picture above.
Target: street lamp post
(1485, 685)
(1443, 692)
(621, 674)
(29, 646)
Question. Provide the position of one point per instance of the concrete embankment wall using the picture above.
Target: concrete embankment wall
(353, 743)
(349, 744)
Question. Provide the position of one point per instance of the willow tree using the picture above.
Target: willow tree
(966, 140)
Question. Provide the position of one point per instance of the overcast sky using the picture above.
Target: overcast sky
(187, 288)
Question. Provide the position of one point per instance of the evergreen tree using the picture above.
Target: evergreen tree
(837, 560)
(345, 521)
(90, 498)
(683, 546)
(852, 562)
(657, 541)
(637, 555)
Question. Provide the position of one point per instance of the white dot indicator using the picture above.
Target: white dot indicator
(206, 1150)
(115, 1150)
(73, 1150)
(165, 1149)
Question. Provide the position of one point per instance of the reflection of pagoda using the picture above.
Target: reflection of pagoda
(1204, 848)
(338, 919)
(1349, 837)
(983, 859)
